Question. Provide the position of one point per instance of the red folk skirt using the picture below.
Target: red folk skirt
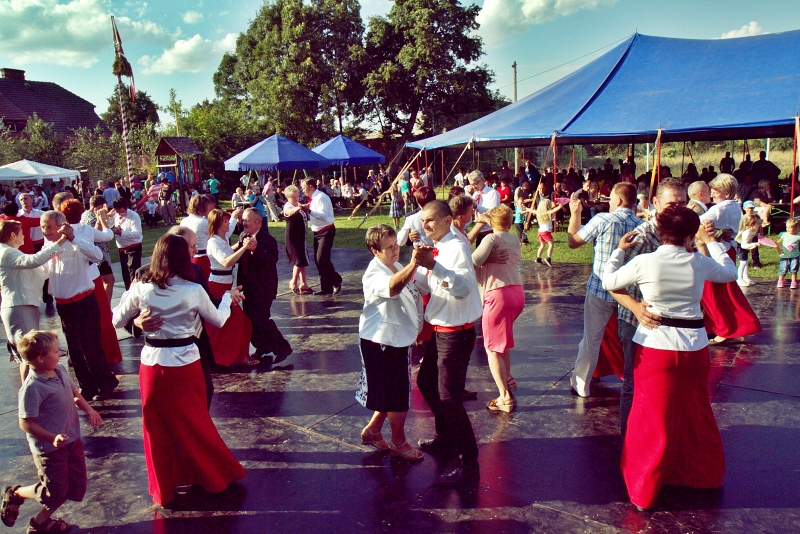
(727, 312)
(204, 264)
(181, 444)
(672, 436)
(611, 360)
(231, 343)
(108, 334)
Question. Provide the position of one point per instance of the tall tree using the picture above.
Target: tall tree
(294, 69)
(44, 145)
(139, 112)
(101, 155)
(12, 146)
(423, 58)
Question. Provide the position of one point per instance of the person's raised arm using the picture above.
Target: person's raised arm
(575, 208)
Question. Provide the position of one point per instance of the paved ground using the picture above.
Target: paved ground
(552, 466)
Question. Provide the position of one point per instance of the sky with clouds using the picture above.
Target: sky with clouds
(178, 44)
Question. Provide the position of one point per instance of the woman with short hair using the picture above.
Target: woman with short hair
(503, 301)
(672, 437)
(388, 326)
(295, 241)
(181, 444)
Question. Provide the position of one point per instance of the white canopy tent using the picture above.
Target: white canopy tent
(39, 171)
(11, 175)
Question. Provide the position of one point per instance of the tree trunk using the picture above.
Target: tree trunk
(405, 136)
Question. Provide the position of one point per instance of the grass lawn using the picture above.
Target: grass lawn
(349, 236)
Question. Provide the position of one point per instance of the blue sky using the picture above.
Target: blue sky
(178, 44)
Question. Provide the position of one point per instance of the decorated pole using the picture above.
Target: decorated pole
(794, 164)
(123, 68)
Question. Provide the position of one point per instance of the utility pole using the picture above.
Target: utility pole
(516, 150)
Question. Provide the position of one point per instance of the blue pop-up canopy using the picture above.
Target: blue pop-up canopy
(342, 150)
(692, 89)
(276, 153)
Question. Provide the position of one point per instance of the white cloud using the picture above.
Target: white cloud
(501, 18)
(189, 55)
(745, 31)
(72, 33)
(223, 13)
(192, 17)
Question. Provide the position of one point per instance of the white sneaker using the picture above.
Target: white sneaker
(743, 283)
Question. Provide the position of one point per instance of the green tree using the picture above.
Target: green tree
(139, 112)
(44, 145)
(423, 58)
(143, 139)
(12, 147)
(295, 70)
(100, 155)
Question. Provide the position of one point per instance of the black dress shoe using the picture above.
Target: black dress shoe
(433, 445)
(469, 395)
(282, 355)
(320, 292)
(88, 394)
(337, 288)
(459, 476)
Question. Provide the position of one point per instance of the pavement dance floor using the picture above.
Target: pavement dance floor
(551, 466)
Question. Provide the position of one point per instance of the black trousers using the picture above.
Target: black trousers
(441, 378)
(266, 337)
(130, 260)
(206, 362)
(47, 298)
(323, 243)
(81, 323)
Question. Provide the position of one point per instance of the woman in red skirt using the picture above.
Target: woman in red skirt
(231, 343)
(181, 444)
(672, 436)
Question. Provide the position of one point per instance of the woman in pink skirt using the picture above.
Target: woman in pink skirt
(503, 300)
(672, 436)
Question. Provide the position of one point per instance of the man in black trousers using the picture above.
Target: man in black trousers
(258, 277)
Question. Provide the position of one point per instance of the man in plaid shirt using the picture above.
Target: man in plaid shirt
(605, 231)
(632, 309)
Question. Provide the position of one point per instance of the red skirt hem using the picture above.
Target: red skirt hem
(231, 343)
(181, 444)
(108, 334)
(672, 437)
(727, 312)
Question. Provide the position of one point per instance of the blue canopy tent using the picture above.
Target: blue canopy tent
(342, 150)
(691, 89)
(276, 153)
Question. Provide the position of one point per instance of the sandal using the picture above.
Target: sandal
(499, 405)
(409, 455)
(294, 289)
(511, 384)
(374, 438)
(10, 507)
(306, 290)
(250, 361)
(51, 526)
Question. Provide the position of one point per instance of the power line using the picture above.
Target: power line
(567, 63)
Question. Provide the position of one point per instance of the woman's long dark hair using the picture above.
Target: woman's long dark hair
(170, 258)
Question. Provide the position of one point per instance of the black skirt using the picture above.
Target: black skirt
(385, 385)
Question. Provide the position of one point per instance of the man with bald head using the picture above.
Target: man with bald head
(258, 276)
(699, 197)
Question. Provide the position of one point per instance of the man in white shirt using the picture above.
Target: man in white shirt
(320, 216)
(128, 229)
(453, 308)
(460, 177)
(412, 231)
(37, 239)
(485, 198)
(73, 289)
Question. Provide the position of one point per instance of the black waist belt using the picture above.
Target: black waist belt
(180, 342)
(201, 252)
(682, 323)
(221, 273)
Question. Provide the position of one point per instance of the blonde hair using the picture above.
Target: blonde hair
(793, 223)
(725, 184)
(750, 220)
(500, 217)
(36, 343)
(543, 215)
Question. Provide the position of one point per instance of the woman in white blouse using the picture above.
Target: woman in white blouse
(672, 436)
(181, 444)
(199, 208)
(388, 326)
(21, 282)
(231, 343)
